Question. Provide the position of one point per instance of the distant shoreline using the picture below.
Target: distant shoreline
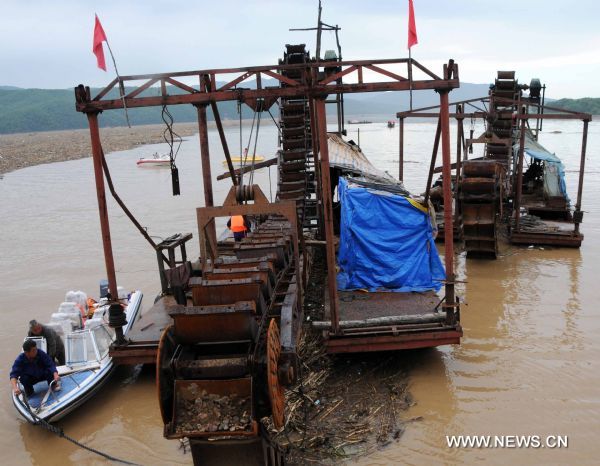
(22, 150)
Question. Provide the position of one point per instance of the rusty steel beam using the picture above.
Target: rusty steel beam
(217, 117)
(431, 107)
(387, 73)
(182, 86)
(450, 302)
(339, 75)
(295, 88)
(141, 89)
(434, 152)
(568, 115)
(581, 172)
(273, 93)
(578, 115)
(280, 67)
(328, 213)
(107, 89)
(555, 116)
(356, 344)
(126, 210)
(459, 138)
(570, 240)
(102, 206)
(519, 187)
(436, 115)
(401, 153)
(315, 150)
(205, 159)
(235, 82)
(103, 213)
(247, 168)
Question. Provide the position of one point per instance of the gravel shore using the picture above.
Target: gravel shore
(27, 149)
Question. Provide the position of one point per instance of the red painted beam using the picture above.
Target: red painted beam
(273, 93)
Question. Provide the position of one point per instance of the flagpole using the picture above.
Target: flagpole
(121, 86)
(409, 76)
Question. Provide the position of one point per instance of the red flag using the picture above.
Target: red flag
(99, 37)
(412, 27)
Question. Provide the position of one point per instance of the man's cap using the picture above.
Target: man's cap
(33, 323)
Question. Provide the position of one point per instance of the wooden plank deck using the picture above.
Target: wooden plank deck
(360, 305)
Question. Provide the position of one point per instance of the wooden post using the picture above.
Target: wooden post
(328, 213)
(444, 124)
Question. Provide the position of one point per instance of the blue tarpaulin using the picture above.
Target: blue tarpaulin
(554, 167)
(386, 242)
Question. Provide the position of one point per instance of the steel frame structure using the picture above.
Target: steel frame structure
(521, 120)
(315, 84)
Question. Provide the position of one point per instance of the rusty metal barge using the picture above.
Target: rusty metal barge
(224, 332)
(496, 191)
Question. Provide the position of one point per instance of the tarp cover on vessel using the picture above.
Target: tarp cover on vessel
(347, 156)
(554, 170)
(386, 242)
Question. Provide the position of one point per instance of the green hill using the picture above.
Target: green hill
(28, 110)
(586, 105)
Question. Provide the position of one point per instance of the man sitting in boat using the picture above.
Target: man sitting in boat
(239, 225)
(54, 344)
(33, 366)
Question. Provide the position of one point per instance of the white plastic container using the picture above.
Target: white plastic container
(93, 323)
(73, 311)
(79, 298)
(66, 321)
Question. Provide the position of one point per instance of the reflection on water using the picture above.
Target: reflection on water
(529, 362)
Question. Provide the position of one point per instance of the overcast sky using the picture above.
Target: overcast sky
(47, 44)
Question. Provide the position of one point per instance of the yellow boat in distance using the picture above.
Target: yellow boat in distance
(245, 160)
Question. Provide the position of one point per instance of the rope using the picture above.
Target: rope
(168, 119)
(172, 135)
(61, 433)
(254, 152)
(239, 108)
(276, 124)
(245, 154)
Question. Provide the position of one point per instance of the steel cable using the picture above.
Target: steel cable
(61, 433)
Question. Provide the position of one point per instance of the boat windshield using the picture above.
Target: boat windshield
(87, 346)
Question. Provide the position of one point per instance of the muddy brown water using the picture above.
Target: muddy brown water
(529, 363)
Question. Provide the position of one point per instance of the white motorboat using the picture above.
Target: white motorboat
(154, 161)
(88, 364)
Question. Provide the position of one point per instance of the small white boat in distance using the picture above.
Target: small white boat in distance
(88, 365)
(154, 161)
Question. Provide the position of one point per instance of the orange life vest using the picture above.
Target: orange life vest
(237, 224)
